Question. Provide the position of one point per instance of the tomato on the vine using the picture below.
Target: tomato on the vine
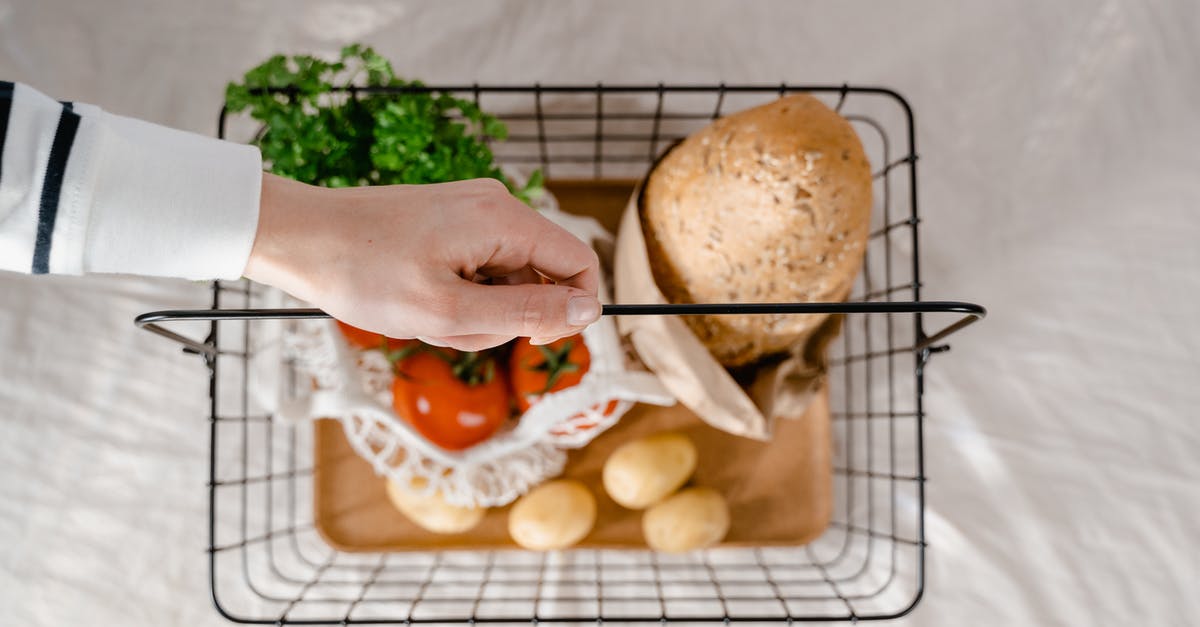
(538, 370)
(362, 338)
(454, 399)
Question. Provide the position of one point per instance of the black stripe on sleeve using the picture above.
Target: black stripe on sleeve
(6, 93)
(56, 167)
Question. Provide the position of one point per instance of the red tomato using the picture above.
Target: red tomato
(575, 427)
(367, 340)
(360, 338)
(456, 400)
(537, 370)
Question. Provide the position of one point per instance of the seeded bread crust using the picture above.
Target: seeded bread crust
(771, 204)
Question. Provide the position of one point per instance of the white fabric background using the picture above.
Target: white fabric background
(1059, 187)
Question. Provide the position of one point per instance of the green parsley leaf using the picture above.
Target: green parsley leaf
(339, 140)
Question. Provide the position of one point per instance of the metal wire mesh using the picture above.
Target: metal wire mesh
(268, 564)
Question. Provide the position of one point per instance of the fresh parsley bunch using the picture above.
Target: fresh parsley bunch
(314, 135)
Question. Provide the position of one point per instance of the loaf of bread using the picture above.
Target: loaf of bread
(771, 204)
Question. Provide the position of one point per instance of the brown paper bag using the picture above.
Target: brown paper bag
(781, 389)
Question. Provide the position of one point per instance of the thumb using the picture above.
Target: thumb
(528, 310)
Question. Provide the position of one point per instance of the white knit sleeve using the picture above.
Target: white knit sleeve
(82, 190)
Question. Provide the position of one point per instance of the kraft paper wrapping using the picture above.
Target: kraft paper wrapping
(783, 389)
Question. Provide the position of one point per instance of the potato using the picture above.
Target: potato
(643, 472)
(555, 515)
(695, 518)
(431, 512)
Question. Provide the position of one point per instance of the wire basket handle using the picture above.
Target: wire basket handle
(971, 312)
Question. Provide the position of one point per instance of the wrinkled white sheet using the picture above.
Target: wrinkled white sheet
(1059, 187)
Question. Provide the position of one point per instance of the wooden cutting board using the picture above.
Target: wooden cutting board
(779, 492)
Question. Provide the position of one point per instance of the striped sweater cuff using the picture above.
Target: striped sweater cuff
(82, 190)
(169, 203)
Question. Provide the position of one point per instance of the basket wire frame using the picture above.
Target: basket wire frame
(269, 565)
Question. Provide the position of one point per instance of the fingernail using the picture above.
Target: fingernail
(582, 310)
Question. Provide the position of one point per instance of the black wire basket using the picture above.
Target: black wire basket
(269, 565)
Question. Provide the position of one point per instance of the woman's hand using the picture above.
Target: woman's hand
(455, 264)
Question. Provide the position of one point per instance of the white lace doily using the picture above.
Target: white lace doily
(354, 387)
